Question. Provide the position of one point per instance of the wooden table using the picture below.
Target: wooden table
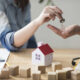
(23, 59)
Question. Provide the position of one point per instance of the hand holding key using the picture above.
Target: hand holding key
(49, 13)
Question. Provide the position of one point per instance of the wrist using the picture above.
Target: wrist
(38, 21)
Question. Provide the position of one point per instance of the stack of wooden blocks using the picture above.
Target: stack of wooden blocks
(10, 71)
(36, 74)
(4, 74)
(25, 72)
(14, 70)
(51, 75)
(57, 73)
(75, 75)
(60, 73)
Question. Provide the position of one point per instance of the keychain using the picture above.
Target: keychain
(62, 20)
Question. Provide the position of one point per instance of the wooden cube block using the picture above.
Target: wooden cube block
(75, 75)
(51, 75)
(36, 75)
(61, 75)
(4, 74)
(14, 70)
(68, 72)
(42, 69)
(25, 72)
(56, 66)
(0, 74)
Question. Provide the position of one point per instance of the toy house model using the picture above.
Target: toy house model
(43, 55)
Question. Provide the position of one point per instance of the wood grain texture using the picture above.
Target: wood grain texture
(23, 59)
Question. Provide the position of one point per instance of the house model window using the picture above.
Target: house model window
(37, 57)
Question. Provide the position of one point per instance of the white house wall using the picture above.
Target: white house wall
(37, 62)
(48, 59)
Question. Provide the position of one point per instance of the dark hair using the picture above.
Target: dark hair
(22, 3)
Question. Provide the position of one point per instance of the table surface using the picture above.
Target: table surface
(23, 59)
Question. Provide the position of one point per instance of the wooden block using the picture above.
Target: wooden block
(14, 70)
(36, 75)
(0, 75)
(25, 72)
(42, 69)
(61, 75)
(56, 66)
(75, 75)
(51, 75)
(68, 72)
(4, 74)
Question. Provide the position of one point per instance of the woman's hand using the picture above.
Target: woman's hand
(67, 32)
(48, 13)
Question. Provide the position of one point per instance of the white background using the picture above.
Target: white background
(71, 9)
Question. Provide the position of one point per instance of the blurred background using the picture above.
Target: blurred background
(71, 10)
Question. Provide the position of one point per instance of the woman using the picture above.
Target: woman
(16, 30)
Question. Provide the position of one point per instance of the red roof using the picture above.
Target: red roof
(46, 49)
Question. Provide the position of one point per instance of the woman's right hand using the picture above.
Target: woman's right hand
(48, 13)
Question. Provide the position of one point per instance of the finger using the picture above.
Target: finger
(54, 18)
(54, 29)
(58, 31)
(47, 17)
(51, 12)
(57, 9)
(56, 13)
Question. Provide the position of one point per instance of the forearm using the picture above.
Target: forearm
(24, 34)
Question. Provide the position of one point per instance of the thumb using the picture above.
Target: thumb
(47, 16)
